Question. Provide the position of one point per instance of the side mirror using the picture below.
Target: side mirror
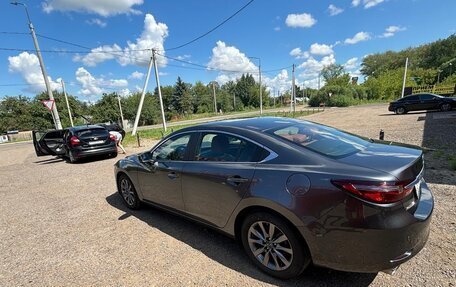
(147, 158)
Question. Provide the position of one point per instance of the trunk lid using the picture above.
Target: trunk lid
(405, 162)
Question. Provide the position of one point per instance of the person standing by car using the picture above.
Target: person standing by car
(119, 138)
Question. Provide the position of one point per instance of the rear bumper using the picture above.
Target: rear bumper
(82, 153)
(376, 248)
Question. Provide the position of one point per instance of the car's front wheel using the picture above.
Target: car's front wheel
(400, 111)
(274, 246)
(445, 107)
(128, 192)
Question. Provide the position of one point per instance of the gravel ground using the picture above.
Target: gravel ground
(63, 224)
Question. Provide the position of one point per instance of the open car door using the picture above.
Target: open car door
(49, 143)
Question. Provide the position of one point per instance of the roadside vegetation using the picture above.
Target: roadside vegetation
(429, 64)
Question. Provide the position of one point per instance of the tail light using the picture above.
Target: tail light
(74, 141)
(375, 191)
(112, 137)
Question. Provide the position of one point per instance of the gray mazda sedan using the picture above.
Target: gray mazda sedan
(293, 192)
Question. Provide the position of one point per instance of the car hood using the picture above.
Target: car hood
(401, 160)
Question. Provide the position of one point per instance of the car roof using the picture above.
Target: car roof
(258, 124)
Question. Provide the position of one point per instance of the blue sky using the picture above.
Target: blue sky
(307, 33)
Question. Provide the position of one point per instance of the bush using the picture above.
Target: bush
(341, 101)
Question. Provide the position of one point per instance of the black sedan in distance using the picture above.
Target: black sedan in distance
(293, 192)
(421, 102)
(75, 143)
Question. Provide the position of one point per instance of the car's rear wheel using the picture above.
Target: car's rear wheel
(445, 107)
(128, 192)
(274, 246)
(71, 157)
(400, 111)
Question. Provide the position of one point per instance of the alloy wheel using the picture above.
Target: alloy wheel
(446, 107)
(270, 246)
(126, 189)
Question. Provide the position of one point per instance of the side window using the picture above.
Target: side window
(227, 148)
(412, 98)
(426, 97)
(172, 149)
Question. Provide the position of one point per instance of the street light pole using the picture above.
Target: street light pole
(58, 124)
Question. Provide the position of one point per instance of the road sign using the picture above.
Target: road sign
(49, 104)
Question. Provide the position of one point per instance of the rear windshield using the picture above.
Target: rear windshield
(321, 139)
(91, 133)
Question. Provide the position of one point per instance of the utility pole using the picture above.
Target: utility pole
(261, 90)
(141, 101)
(293, 89)
(405, 77)
(159, 89)
(55, 113)
(215, 97)
(66, 100)
(121, 113)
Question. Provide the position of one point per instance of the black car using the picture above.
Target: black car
(419, 102)
(293, 192)
(75, 143)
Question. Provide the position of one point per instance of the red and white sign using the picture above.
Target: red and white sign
(49, 104)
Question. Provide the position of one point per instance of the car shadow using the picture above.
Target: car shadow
(228, 252)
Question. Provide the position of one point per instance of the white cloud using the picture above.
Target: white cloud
(321, 49)
(359, 37)
(136, 75)
(351, 63)
(281, 82)
(28, 66)
(96, 21)
(371, 3)
(135, 53)
(303, 20)
(367, 3)
(92, 86)
(391, 31)
(99, 55)
(333, 10)
(277, 28)
(298, 54)
(104, 8)
(124, 92)
(311, 69)
(230, 58)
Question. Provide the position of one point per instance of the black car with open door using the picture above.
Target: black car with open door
(75, 143)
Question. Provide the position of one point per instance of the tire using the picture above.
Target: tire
(445, 107)
(71, 157)
(128, 192)
(400, 111)
(283, 243)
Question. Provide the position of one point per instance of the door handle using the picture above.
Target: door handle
(236, 180)
(172, 175)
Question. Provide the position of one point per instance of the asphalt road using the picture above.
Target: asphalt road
(65, 224)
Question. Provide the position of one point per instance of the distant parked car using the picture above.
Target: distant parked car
(293, 192)
(419, 102)
(75, 143)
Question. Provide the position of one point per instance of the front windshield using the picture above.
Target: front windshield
(321, 139)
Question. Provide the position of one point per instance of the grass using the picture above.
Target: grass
(157, 133)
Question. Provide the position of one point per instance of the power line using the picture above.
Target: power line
(211, 30)
(14, 33)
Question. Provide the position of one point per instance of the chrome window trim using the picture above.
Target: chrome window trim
(272, 155)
